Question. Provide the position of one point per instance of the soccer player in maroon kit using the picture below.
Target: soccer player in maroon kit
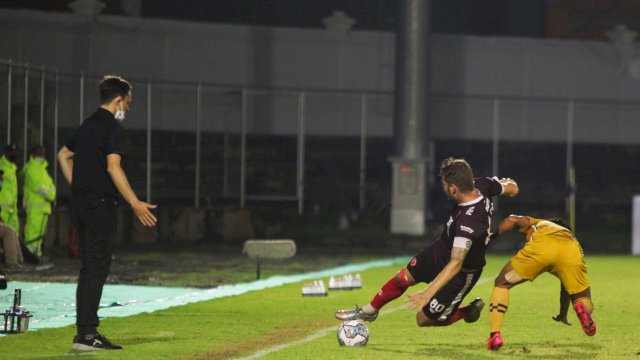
(453, 263)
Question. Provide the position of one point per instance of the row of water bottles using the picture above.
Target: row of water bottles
(346, 282)
(315, 288)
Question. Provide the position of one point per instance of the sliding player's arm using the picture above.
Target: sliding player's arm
(513, 222)
(509, 186)
(458, 254)
(565, 300)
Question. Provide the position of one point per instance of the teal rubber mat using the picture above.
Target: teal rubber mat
(53, 304)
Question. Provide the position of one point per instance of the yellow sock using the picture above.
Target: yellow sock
(587, 303)
(498, 305)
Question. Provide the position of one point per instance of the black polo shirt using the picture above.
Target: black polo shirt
(98, 136)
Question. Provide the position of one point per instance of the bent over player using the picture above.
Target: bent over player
(550, 247)
(451, 264)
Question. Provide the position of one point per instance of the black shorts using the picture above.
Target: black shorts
(446, 301)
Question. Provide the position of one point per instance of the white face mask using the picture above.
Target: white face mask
(39, 159)
(119, 115)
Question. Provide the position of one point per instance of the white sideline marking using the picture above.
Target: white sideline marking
(321, 333)
(317, 335)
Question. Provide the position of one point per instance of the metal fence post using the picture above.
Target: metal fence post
(26, 114)
(198, 144)
(301, 152)
(149, 141)
(9, 80)
(42, 76)
(496, 143)
(243, 148)
(225, 165)
(55, 131)
(363, 150)
(81, 97)
(570, 176)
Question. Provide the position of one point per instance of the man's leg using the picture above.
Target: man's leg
(499, 303)
(414, 272)
(526, 264)
(391, 290)
(572, 272)
(583, 306)
(12, 253)
(97, 229)
(34, 230)
(444, 308)
(10, 218)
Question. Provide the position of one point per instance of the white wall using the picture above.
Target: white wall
(356, 61)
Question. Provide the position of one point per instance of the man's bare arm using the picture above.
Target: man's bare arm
(65, 158)
(565, 300)
(141, 209)
(511, 222)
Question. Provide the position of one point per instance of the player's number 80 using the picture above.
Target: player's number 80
(435, 307)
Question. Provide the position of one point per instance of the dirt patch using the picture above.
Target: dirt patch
(263, 342)
(200, 265)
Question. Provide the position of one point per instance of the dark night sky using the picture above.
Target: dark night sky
(485, 17)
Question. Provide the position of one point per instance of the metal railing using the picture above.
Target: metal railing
(295, 114)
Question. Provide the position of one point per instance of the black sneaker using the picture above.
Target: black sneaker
(97, 342)
(475, 308)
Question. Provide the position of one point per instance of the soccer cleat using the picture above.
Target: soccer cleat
(494, 342)
(355, 314)
(586, 321)
(474, 310)
(97, 342)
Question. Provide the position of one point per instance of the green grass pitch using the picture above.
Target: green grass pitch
(241, 326)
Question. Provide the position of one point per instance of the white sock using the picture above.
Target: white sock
(369, 310)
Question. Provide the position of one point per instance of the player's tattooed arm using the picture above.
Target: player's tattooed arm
(419, 300)
(510, 187)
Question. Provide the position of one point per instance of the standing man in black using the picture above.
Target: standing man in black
(90, 161)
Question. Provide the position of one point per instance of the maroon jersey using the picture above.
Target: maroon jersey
(470, 221)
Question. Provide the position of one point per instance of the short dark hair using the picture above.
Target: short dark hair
(561, 222)
(457, 172)
(37, 150)
(112, 86)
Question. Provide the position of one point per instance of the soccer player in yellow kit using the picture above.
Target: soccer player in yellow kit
(550, 246)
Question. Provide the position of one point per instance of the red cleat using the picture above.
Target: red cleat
(586, 321)
(494, 342)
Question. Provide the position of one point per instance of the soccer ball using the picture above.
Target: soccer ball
(353, 333)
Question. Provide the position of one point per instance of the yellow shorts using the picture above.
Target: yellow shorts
(558, 255)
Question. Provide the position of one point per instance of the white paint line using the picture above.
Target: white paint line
(314, 336)
(321, 333)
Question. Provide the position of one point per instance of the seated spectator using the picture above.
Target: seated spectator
(13, 260)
